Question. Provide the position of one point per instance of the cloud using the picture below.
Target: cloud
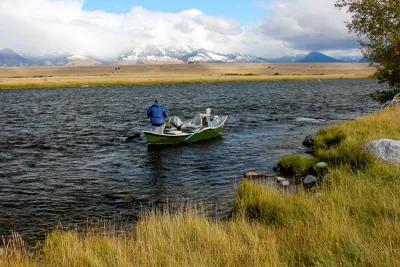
(38, 27)
(44, 26)
(309, 25)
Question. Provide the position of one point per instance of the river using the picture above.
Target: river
(64, 159)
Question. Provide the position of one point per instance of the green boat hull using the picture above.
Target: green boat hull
(157, 139)
(201, 135)
(204, 135)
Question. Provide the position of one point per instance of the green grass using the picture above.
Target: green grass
(296, 166)
(354, 220)
(343, 144)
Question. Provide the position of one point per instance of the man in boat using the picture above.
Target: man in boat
(205, 118)
(157, 115)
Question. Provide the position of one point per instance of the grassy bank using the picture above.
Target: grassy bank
(354, 220)
(77, 83)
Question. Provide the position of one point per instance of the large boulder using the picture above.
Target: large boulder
(385, 149)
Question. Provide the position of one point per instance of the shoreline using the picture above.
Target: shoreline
(147, 75)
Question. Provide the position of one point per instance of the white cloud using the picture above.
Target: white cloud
(37, 27)
(309, 24)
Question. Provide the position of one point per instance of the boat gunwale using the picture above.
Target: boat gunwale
(167, 135)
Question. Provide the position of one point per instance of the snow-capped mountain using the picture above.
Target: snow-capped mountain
(206, 56)
(155, 55)
(158, 55)
(78, 60)
(150, 55)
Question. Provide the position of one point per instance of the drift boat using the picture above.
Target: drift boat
(190, 132)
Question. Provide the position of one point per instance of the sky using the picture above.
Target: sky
(106, 29)
(244, 11)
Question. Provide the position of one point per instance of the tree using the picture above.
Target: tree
(377, 25)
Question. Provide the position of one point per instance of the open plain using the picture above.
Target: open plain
(55, 77)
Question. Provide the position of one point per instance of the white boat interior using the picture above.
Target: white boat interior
(175, 126)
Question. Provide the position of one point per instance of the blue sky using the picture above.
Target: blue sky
(243, 11)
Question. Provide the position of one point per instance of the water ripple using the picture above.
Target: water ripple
(64, 156)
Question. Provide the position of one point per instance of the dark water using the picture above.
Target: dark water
(63, 158)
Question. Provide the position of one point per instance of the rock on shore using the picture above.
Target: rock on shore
(308, 141)
(385, 149)
(309, 181)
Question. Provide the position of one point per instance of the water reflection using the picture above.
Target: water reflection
(157, 174)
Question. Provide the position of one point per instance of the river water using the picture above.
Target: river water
(64, 159)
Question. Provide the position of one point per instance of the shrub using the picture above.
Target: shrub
(295, 166)
(346, 154)
(328, 138)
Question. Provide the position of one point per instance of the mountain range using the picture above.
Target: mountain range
(8, 58)
(156, 55)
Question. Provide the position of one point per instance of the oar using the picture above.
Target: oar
(190, 136)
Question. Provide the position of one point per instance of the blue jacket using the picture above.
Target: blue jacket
(157, 114)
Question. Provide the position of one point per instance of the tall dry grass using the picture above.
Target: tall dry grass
(353, 220)
(160, 240)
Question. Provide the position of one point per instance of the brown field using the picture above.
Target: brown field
(51, 77)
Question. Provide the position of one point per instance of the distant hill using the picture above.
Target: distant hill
(317, 57)
(9, 58)
(48, 60)
(312, 57)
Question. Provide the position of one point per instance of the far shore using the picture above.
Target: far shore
(136, 75)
